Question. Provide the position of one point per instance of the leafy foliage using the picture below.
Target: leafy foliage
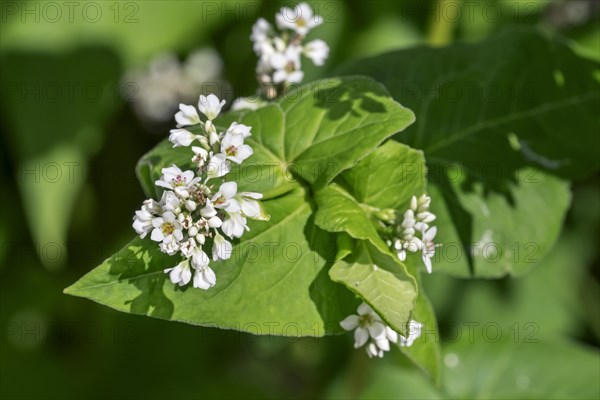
(276, 281)
(508, 115)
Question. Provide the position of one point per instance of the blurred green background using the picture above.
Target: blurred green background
(69, 144)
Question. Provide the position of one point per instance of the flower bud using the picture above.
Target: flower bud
(190, 205)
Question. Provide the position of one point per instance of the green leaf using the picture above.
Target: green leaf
(512, 231)
(275, 282)
(505, 370)
(484, 107)
(501, 370)
(480, 149)
(340, 212)
(381, 281)
(331, 124)
(388, 177)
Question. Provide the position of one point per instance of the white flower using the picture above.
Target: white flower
(181, 137)
(188, 247)
(286, 75)
(234, 225)
(366, 324)
(170, 202)
(166, 228)
(252, 208)
(370, 330)
(234, 148)
(142, 220)
(374, 351)
(170, 248)
(221, 248)
(181, 274)
(224, 198)
(317, 50)
(414, 332)
(428, 247)
(239, 129)
(299, 19)
(287, 65)
(200, 156)
(247, 103)
(210, 106)
(204, 277)
(186, 116)
(260, 33)
(218, 166)
(175, 179)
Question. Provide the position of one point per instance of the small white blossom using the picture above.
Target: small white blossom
(210, 106)
(317, 50)
(299, 19)
(239, 129)
(234, 148)
(250, 205)
(367, 324)
(221, 248)
(428, 247)
(414, 332)
(370, 331)
(225, 197)
(177, 180)
(181, 274)
(218, 166)
(204, 277)
(181, 137)
(186, 116)
(170, 202)
(260, 33)
(166, 228)
(200, 156)
(142, 221)
(234, 225)
(247, 103)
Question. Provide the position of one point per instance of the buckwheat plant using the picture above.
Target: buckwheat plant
(194, 217)
(279, 51)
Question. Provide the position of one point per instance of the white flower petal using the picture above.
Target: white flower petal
(350, 322)
(361, 335)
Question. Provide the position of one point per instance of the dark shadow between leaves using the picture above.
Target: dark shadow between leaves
(130, 265)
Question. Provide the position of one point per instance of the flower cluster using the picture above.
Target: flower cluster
(414, 233)
(156, 89)
(371, 331)
(279, 52)
(191, 217)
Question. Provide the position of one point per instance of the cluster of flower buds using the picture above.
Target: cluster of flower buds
(370, 331)
(279, 52)
(414, 233)
(191, 217)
